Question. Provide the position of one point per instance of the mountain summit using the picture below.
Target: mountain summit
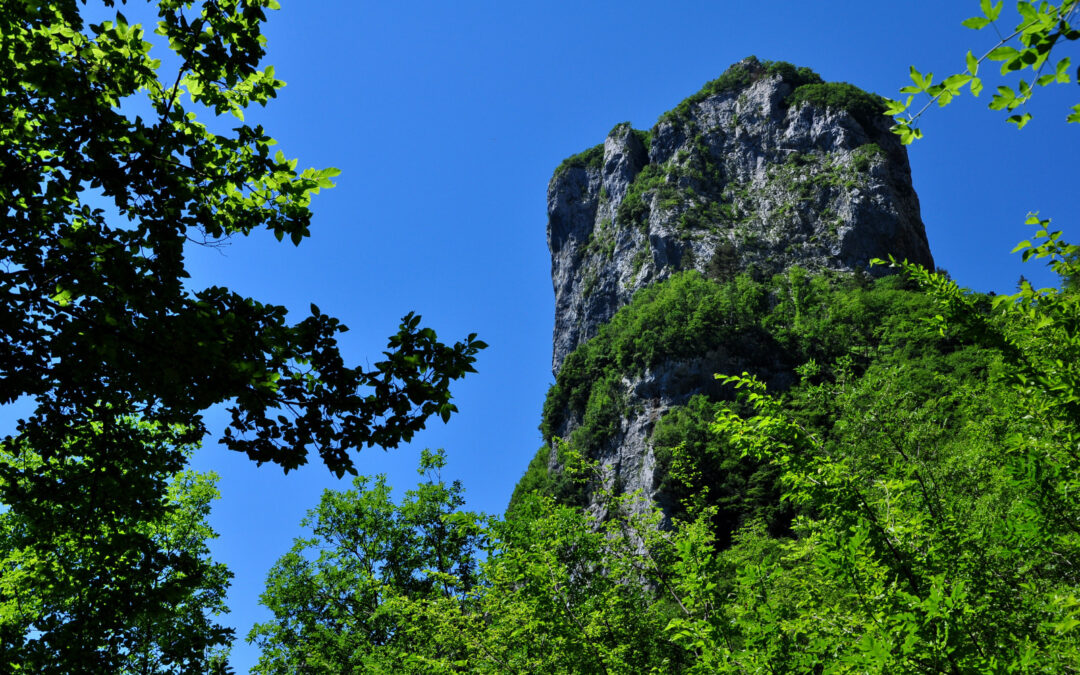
(719, 241)
(765, 168)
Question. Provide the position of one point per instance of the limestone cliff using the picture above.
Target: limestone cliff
(766, 168)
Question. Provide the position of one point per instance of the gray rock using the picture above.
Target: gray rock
(741, 181)
(775, 186)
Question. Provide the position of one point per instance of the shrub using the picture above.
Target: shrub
(593, 158)
(863, 106)
(740, 76)
(865, 155)
(634, 208)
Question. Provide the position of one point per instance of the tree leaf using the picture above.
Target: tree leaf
(1020, 120)
(1003, 53)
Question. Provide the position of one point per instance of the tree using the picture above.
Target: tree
(337, 597)
(929, 539)
(424, 586)
(106, 175)
(1039, 30)
(104, 565)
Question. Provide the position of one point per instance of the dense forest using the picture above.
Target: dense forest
(897, 491)
(912, 489)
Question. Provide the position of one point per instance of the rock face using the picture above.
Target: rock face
(747, 179)
(766, 168)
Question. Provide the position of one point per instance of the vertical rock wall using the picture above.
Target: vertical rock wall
(741, 180)
(765, 169)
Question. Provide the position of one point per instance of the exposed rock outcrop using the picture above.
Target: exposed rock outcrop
(766, 168)
(747, 179)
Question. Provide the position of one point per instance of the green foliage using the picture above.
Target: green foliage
(696, 468)
(636, 204)
(724, 263)
(775, 325)
(738, 77)
(864, 156)
(792, 318)
(104, 561)
(807, 87)
(796, 76)
(706, 215)
(563, 486)
(673, 186)
(104, 568)
(928, 454)
(341, 597)
(1038, 30)
(641, 257)
(602, 238)
(556, 591)
(656, 324)
(536, 479)
(933, 514)
(866, 108)
(644, 136)
(936, 496)
(593, 158)
(569, 594)
(1038, 329)
(931, 475)
(803, 189)
(96, 307)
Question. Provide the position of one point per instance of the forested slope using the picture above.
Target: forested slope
(794, 331)
(906, 503)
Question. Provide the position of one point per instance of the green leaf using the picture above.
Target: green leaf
(972, 64)
(1062, 71)
(893, 108)
(1003, 53)
(921, 81)
(1020, 120)
(1003, 99)
(991, 11)
(975, 22)
(954, 82)
(63, 297)
(1027, 11)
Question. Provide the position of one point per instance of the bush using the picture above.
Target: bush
(593, 158)
(635, 206)
(739, 76)
(780, 324)
(693, 464)
(866, 155)
(865, 107)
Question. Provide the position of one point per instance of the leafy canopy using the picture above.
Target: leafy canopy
(1038, 30)
(337, 595)
(106, 175)
(104, 558)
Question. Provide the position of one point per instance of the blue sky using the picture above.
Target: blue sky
(447, 120)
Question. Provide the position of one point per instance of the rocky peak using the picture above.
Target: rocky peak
(765, 168)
